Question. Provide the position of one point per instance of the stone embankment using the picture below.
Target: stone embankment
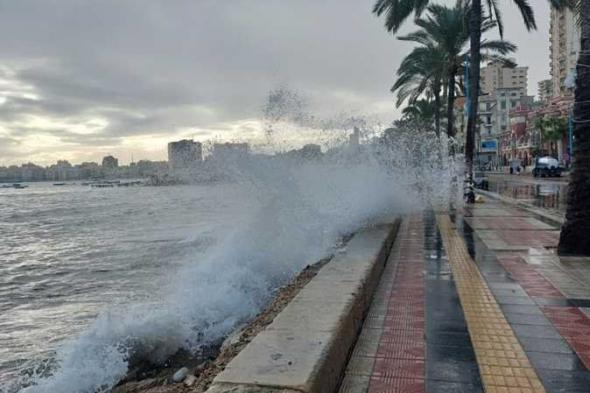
(306, 347)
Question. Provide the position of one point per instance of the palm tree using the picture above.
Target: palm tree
(573, 239)
(422, 111)
(397, 11)
(421, 73)
(446, 29)
(552, 130)
(574, 233)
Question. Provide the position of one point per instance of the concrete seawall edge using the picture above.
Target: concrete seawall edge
(306, 347)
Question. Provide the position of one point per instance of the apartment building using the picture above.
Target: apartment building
(564, 41)
(496, 76)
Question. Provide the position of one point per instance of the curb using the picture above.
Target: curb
(307, 346)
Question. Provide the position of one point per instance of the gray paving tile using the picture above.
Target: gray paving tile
(520, 309)
(545, 345)
(451, 387)
(452, 370)
(495, 286)
(527, 319)
(536, 331)
(517, 300)
(559, 381)
(514, 291)
(555, 361)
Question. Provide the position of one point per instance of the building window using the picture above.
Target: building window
(503, 104)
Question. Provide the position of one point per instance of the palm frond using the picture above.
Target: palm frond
(496, 16)
(397, 11)
(528, 16)
(498, 46)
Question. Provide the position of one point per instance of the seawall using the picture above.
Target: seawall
(306, 347)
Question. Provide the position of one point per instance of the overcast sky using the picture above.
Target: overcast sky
(82, 78)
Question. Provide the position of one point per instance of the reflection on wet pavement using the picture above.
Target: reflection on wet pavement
(550, 195)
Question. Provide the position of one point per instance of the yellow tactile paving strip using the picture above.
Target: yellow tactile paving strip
(503, 364)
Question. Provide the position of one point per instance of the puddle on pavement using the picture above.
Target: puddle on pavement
(550, 195)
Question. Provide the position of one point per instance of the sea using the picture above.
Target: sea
(68, 253)
(94, 279)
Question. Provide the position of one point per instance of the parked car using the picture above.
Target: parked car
(547, 167)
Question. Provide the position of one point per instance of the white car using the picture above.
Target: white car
(547, 166)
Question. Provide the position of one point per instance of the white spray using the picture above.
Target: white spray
(304, 207)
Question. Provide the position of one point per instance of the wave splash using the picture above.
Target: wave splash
(304, 206)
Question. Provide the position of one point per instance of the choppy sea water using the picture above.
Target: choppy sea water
(67, 253)
(94, 279)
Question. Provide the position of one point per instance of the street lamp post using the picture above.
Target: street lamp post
(570, 136)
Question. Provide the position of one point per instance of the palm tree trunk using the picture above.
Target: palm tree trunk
(574, 234)
(451, 104)
(474, 68)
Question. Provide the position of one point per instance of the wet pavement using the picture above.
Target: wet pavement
(551, 327)
(540, 193)
(492, 309)
(451, 364)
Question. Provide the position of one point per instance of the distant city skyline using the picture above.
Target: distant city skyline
(81, 80)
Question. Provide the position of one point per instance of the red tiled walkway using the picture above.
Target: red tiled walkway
(396, 322)
(399, 364)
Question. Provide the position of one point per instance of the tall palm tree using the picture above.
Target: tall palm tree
(421, 73)
(446, 29)
(574, 233)
(397, 11)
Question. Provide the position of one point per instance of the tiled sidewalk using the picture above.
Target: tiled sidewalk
(414, 314)
(542, 296)
(390, 352)
(500, 314)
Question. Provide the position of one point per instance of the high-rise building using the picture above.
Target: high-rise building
(545, 92)
(230, 151)
(494, 120)
(355, 138)
(497, 76)
(565, 37)
(184, 154)
(110, 162)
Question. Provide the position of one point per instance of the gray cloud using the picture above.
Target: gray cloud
(159, 67)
